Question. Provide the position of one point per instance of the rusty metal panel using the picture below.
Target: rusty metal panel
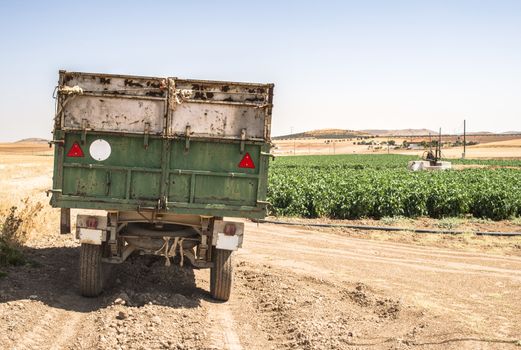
(166, 171)
(168, 106)
(221, 121)
(112, 103)
(110, 114)
(220, 109)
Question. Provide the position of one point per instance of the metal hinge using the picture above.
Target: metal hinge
(187, 137)
(147, 132)
(56, 142)
(267, 154)
(84, 125)
(202, 248)
(108, 181)
(162, 203)
(243, 139)
(53, 191)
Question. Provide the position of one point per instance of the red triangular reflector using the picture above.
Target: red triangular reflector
(247, 162)
(75, 150)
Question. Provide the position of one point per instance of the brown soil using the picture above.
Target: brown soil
(24, 148)
(295, 288)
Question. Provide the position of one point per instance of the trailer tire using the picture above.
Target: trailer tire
(221, 274)
(91, 278)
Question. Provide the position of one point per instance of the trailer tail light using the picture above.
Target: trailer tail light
(247, 162)
(75, 150)
(92, 222)
(229, 230)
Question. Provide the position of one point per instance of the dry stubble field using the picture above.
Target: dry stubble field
(295, 288)
(488, 147)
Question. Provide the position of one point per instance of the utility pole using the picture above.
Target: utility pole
(438, 150)
(464, 138)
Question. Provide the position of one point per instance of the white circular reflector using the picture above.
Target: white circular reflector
(99, 150)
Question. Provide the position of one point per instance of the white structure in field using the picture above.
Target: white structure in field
(419, 165)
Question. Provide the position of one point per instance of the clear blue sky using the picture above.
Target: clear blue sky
(336, 64)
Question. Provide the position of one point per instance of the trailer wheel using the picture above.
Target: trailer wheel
(91, 279)
(221, 274)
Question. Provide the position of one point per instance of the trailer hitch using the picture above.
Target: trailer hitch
(160, 206)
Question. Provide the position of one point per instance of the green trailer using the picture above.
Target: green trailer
(166, 159)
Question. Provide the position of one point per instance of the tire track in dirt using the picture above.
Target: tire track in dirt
(69, 330)
(419, 264)
(223, 333)
(369, 251)
(53, 331)
(297, 235)
(459, 286)
(36, 336)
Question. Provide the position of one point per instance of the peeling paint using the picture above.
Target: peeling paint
(115, 103)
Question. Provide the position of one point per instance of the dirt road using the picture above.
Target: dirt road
(295, 288)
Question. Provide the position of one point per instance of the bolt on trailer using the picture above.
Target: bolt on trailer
(167, 159)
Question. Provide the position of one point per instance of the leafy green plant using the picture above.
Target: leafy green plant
(449, 223)
(377, 186)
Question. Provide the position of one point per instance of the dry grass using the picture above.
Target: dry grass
(25, 174)
(19, 222)
(14, 232)
(25, 148)
(467, 241)
(489, 147)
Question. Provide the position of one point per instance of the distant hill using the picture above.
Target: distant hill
(408, 132)
(32, 140)
(370, 133)
(324, 134)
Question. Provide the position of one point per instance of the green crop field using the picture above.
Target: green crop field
(375, 186)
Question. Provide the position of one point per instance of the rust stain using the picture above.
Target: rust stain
(155, 93)
(256, 98)
(132, 83)
(153, 84)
